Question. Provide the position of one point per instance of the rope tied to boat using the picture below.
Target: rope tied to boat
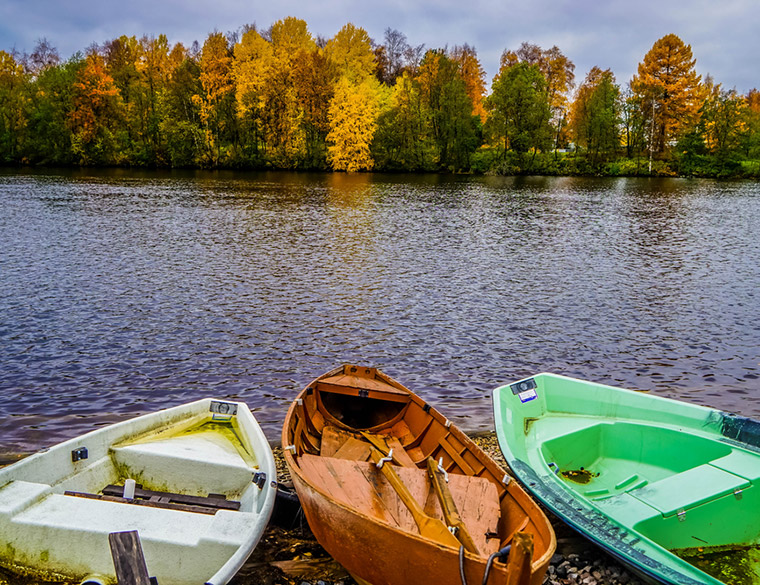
(502, 555)
(461, 565)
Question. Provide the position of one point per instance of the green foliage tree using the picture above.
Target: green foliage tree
(453, 127)
(51, 95)
(519, 109)
(595, 115)
(402, 140)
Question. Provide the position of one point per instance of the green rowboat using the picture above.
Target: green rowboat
(671, 489)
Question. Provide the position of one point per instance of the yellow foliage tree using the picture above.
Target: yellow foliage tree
(12, 118)
(669, 89)
(350, 52)
(252, 69)
(353, 120)
(218, 83)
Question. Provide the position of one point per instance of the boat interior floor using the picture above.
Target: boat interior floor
(343, 470)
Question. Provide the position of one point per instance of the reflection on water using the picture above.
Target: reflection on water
(123, 292)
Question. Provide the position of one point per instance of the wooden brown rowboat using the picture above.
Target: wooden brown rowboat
(386, 482)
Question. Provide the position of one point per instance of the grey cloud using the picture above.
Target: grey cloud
(615, 34)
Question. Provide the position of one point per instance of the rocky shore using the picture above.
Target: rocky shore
(288, 554)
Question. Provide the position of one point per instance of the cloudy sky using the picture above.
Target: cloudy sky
(613, 34)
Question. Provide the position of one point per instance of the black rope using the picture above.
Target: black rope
(461, 565)
(501, 554)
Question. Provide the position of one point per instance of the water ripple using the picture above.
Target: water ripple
(124, 292)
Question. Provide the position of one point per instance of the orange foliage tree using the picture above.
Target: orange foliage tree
(669, 89)
(473, 75)
(96, 107)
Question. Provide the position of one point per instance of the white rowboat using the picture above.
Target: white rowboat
(206, 485)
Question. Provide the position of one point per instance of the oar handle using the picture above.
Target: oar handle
(403, 492)
(449, 508)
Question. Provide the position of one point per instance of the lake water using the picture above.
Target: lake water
(122, 292)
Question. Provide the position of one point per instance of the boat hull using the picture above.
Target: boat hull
(196, 509)
(378, 550)
(664, 486)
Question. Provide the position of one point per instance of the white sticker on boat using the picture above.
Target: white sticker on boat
(527, 395)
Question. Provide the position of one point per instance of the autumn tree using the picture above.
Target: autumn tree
(95, 114)
(253, 67)
(12, 106)
(282, 117)
(473, 75)
(350, 53)
(218, 86)
(315, 87)
(353, 120)
(356, 102)
(669, 89)
(595, 116)
(519, 109)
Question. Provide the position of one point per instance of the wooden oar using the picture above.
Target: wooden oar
(449, 508)
(429, 527)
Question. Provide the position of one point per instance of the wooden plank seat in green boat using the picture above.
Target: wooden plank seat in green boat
(669, 488)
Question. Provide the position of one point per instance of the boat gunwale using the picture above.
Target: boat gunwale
(564, 502)
(482, 456)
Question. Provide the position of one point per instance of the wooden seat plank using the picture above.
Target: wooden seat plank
(147, 503)
(216, 501)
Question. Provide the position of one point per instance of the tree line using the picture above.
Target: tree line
(282, 98)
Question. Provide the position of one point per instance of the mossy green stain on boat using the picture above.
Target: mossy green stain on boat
(737, 565)
(639, 474)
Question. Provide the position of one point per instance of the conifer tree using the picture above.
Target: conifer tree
(670, 91)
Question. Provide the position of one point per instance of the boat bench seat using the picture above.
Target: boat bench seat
(215, 467)
(59, 522)
(741, 463)
(18, 495)
(688, 489)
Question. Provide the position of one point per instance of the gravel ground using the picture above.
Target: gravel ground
(291, 556)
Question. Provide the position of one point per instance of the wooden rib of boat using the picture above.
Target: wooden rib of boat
(671, 489)
(200, 484)
(382, 475)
